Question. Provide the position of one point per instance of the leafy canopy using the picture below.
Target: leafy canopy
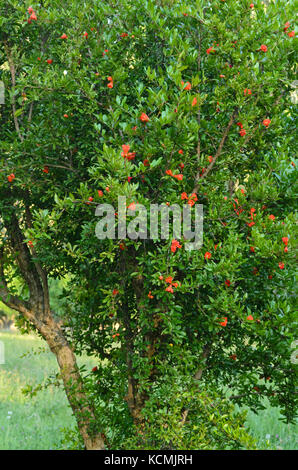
(199, 89)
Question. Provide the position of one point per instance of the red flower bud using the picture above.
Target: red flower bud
(144, 117)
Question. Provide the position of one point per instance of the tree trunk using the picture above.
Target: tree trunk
(53, 334)
(73, 384)
(37, 309)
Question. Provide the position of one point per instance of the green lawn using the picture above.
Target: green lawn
(35, 423)
(266, 427)
(30, 423)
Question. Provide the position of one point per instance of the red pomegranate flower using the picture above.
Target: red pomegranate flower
(187, 86)
(264, 48)
(287, 25)
(144, 117)
(169, 289)
(11, 177)
(210, 49)
(224, 322)
(132, 206)
(126, 154)
(174, 245)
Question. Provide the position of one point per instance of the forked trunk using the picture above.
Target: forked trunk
(73, 384)
(37, 311)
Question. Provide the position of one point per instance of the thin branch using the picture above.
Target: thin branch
(7, 298)
(197, 376)
(13, 81)
(218, 152)
(199, 111)
(250, 135)
(25, 263)
(263, 392)
(199, 373)
(30, 112)
(42, 272)
(62, 166)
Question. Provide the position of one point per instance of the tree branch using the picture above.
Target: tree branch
(218, 152)
(13, 81)
(199, 111)
(25, 263)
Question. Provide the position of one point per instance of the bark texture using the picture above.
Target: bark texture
(37, 311)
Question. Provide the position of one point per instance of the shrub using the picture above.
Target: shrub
(168, 102)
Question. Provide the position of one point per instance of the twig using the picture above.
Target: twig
(199, 111)
(13, 81)
(218, 152)
(30, 112)
(197, 376)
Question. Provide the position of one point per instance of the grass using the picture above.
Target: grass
(25, 422)
(36, 423)
(267, 428)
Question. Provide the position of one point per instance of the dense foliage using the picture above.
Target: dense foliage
(161, 102)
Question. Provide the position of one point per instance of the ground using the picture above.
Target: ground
(36, 423)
